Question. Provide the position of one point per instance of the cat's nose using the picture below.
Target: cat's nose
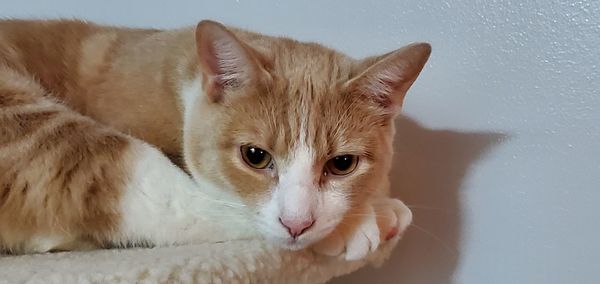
(297, 226)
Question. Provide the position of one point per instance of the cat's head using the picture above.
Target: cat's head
(301, 132)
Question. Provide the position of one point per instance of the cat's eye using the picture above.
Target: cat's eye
(255, 157)
(342, 165)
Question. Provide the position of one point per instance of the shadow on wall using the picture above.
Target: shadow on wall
(429, 167)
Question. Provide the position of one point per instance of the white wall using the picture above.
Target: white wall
(501, 156)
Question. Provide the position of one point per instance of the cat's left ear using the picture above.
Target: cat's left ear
(386, 79)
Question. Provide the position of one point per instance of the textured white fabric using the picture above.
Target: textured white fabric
(250, 261)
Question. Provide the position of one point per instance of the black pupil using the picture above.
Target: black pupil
(342, 163)
(255, 155)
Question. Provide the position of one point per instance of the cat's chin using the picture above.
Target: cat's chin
(297, 245)
(293, 247)
(289, 243)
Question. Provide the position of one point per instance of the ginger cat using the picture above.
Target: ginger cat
(273, 137)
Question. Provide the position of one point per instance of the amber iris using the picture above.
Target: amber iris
(342, 165)
(255, 157)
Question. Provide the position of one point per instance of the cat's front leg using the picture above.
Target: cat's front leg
(381, 220)
(162, 206)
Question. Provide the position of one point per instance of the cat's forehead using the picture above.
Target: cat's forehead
(305, 105)
(310, 64)
(306, 72)
(308, 107)
(295, 60)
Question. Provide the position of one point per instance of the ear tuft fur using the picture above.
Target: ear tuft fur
(226, 62)
(387, 78)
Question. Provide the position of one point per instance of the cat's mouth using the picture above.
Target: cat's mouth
(290, 243)
(302, 242)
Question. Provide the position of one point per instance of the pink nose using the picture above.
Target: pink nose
(296, 226)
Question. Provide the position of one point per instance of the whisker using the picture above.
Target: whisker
(367, 215)
(430, 234)
(425, 207)
(220, 213)
(226, 203)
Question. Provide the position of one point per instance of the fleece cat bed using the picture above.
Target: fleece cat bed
(247, 261)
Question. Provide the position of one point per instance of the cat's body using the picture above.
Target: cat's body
(74, 95)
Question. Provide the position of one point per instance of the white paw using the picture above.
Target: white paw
(385, 219)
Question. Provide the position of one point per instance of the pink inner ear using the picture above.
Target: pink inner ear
(383, 86)
(232, 65)
(389, 78)
(224, 61)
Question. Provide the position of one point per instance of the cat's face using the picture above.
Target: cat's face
(301, 133)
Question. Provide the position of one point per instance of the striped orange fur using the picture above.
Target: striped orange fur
(79, 102)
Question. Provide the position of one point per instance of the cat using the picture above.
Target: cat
(265, 136)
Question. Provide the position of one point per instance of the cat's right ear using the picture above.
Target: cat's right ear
(384, 80)
(225, 61)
